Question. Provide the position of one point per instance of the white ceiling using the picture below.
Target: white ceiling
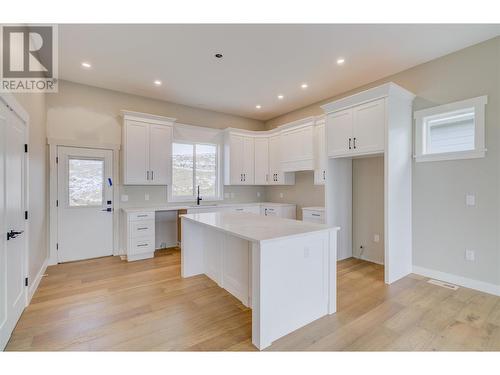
(260, 61)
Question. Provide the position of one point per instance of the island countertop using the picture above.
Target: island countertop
(253, 227)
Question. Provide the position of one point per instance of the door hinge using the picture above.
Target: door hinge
(25, 147)
(25, 215)
(57, 159)
(57, 202)
(57, 246)
(25, 281)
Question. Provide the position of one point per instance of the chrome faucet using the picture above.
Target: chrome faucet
(198, 198)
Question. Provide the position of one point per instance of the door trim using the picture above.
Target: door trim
(54, 143)
(11, 102)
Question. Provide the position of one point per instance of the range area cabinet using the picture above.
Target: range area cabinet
(147, 149)
(359, 130)
(239, 160)
(298, 136)
(320, 158)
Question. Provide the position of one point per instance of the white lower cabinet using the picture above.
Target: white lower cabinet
(283, 211)
(247, 209)
(140, 235)
(313, 214)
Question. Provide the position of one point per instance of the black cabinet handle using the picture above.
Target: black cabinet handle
(14, 234)
(354, 141)
(349, 143)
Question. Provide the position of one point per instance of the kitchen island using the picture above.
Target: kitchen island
(284, 270)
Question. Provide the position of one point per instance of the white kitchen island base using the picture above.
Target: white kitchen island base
(284, 270)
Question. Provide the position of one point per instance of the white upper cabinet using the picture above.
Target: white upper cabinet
(261, 161)
(320, 158)
(276, 174)
(298, 155)
(239, 157)
(147, 149)
(359, 130)
(369, 127)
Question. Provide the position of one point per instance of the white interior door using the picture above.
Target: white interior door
(85, 207)
(13, 237)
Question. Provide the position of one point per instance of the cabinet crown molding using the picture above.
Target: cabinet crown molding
(386, 90)
(147, 117)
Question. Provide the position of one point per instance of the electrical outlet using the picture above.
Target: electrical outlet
(124, 198)
(281, 195)
(470, 255)
(470, 199)
(376, 238)
(146, 197)
(258, 194)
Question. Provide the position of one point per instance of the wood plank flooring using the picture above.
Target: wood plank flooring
(108, 304)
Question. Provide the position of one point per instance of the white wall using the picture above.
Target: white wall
(442, 226)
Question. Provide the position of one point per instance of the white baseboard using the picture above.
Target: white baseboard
(370, 260)
(34, 284)
(458, 280)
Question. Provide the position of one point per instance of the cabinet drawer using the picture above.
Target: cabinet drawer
(313, 216)
(141, 228)
(248, 209)
(141, 216)
(271, 211)
(141, 245)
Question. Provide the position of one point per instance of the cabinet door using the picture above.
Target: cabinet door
(274, 160)
(339, 132)
(136, 153)
(319, 154)
(261, 161)
(236, 159)
(369, 127)
(160, 154)
(248, 160)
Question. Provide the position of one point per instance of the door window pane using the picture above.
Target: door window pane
(85, 182)
(206, 169)
(182, 167)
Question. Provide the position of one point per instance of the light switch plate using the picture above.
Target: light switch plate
(470, 199)
(281, 195)
(124, 198)
(146, 197)
(376, 238)
(258, 194)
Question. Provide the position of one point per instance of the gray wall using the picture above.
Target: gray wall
(442, 226)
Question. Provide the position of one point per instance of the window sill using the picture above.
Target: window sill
(474, 154)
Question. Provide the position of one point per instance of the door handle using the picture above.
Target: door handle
(152, 176)
(14, 234)
(109, 209)
(147, 175)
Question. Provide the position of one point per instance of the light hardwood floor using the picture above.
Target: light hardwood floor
(109, 304)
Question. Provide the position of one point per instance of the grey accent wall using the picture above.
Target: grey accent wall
(443, 227)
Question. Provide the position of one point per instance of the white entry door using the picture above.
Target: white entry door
(85, 207)
(12, 205)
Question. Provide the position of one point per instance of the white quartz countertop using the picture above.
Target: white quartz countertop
(253, 227)
(176, 207)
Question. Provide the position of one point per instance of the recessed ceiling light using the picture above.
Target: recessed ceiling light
(280, 97)
(304, 86)
(157, 82)
(86, 65)
(258, 106)
(340, 61)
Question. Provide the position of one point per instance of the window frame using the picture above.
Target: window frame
(477, 104)
(218, 183)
